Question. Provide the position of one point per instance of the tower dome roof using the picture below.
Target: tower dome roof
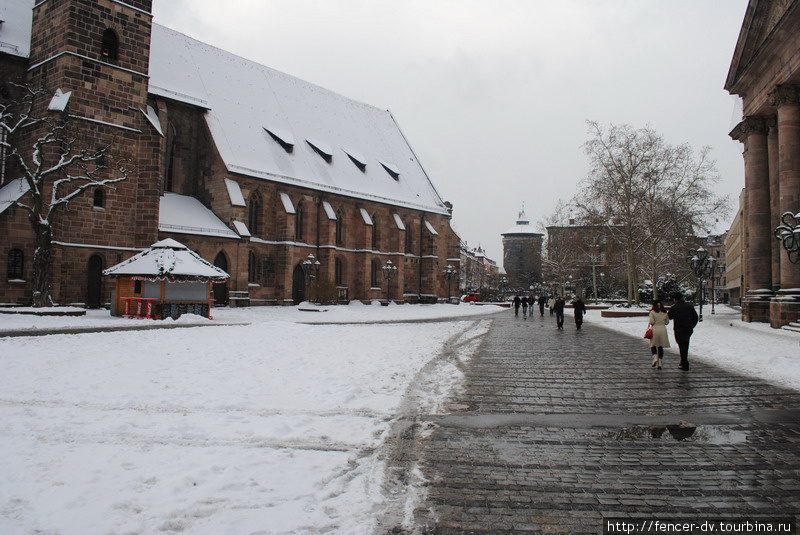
(522, 227)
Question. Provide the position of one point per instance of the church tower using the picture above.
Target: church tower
(522, 254)
(96, 53)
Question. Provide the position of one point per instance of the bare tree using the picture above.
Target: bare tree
(561, 258)
(54, 171)
(649, 193)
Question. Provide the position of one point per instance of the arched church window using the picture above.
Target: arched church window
(254, 215)
(338, 276)
(374, 274)
(110, 45)
(339, 227)
(16, 262)
(299, 222)
(98, 198)
(170, 157)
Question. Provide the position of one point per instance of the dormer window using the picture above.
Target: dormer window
(110, 45)
(357, 159)
(392, 169)
(321, 148)
(282, 137)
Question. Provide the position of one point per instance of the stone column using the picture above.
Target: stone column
(774, 199)
(753, 131)
(786, 98)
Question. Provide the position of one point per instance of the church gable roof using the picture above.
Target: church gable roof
(761, 19)
(267, 124)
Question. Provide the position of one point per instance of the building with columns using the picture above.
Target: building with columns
(251, 168)
(765, 73)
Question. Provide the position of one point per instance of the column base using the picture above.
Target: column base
(784, 308)
(756, 306)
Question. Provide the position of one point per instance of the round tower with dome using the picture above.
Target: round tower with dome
(522, 253)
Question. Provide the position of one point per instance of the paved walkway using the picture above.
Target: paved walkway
(558, 430)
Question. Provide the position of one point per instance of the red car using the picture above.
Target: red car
(470, 298)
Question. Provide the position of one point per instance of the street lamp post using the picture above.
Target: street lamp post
(449, 273)
(503, 287)
(716, 272)
(310, 269)
(703, 266)
(389, 272)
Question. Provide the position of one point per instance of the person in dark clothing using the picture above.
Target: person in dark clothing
(517, 302)
(558, 308)
(684, 320)
(542, 303)
(525, 307)
(579, 308)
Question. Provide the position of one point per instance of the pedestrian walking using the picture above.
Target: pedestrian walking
(517, 302)
(658, 321)
(684, 320)
(551, 303)
(542, 303)
(579, 308)
(558, 308)
(524, 307)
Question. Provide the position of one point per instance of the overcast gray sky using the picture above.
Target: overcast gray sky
(493, 95)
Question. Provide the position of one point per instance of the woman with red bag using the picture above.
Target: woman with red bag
(658, 321)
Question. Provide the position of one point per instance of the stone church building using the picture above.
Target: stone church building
(251, 168)
(765, 73)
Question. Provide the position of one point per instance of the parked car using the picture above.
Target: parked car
(470, 298)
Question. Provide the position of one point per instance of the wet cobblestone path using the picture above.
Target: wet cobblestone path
(557, 430)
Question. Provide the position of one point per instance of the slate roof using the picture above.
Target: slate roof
(256, 113)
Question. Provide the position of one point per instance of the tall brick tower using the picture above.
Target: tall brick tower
(99, 51)
(522, 254)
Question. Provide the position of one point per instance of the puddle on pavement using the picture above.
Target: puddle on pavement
(707, 434)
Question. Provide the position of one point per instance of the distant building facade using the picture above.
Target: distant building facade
(580, 257)
(765, 73)
(251, 168)
(734, 255)
(522, 254)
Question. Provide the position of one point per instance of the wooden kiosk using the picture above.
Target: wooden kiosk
(165, 281)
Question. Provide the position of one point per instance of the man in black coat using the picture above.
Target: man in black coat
(542, 303)
(559, 310)
(684, 319)
(516, 302)
(579, 308)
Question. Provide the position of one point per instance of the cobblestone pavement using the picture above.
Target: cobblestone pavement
(557, 430)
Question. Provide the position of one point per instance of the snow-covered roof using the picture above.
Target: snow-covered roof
(167, 259)
(15, 32)
(270, 125)
(186, 215)
(12, 192)
(522, 226)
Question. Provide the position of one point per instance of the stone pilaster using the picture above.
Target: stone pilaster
(786, 98)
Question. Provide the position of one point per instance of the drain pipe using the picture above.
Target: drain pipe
(421, 235)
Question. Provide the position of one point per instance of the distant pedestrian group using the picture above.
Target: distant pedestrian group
(555, 304)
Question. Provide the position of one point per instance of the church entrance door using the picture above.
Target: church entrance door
(220, 289)
(298, 285)
(94, 281)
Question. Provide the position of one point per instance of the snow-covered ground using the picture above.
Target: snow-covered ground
(272, 426)
(265, 424)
